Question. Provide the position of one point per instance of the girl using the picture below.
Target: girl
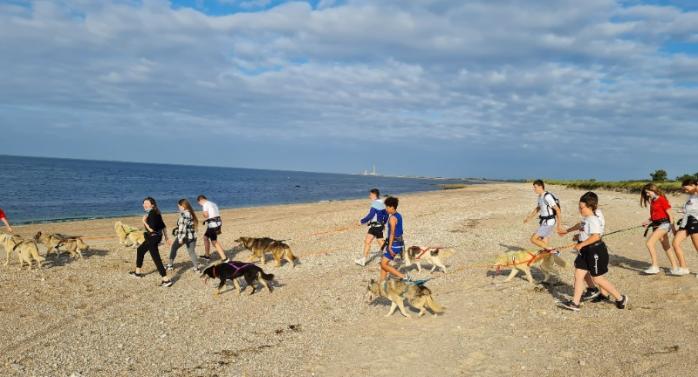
(661, 223)
(184, 234)
(593, 255)
(155, 231)
(688, 225)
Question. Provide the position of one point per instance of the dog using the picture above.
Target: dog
(27, 250)
(431, 255)
(418, 296)
(128, 235)
(260, 246)
(74, 245)
(233, 270)
(524, 260)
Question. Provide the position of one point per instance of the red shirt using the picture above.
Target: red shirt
(2, 214)
(659, 208)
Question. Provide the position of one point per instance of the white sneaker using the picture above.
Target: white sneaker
(361, 261)
(675, 271)
(681, 271)
(652, 270)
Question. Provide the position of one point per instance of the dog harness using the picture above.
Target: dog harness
(231, 264)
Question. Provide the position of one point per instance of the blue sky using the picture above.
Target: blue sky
(492, 88)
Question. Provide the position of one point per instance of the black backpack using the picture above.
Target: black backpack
(557, 202)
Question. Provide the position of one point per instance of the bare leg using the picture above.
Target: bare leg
(579, 277)
(657, 235)
(207, 246)
(606, 285)
(666, 245)
(386, 268)
(367, 244)
(540, 242)
(678, 238)
(219, 249)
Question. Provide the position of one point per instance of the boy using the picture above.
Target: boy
(376, 218)
(549, 214)
(3, 218)
(213, 227)
(394, 245)
(592, 259)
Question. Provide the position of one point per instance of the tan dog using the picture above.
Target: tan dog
(524, 260)
(418, 296)
(74, 245)
(260, 246)
(26, 250)
(431, 255)
(128, 235)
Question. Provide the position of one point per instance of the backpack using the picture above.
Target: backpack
(557, 202)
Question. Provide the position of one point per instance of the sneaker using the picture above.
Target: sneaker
(170, 267)
(682, 271)
(620, 304)
(361, 261)
(601, 298)
(590, 294)
(227, 260)
(569, 305)
(135, 274)
(207, 257)
(196, 270)
(166, 283)
(653, 270)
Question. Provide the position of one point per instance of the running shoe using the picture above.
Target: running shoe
(166, 283)
(569, 305)
(601, 298)
(170, 267)
(590, 294)
(135, 274)
(207, 257)
(620, 304)
(361, 261)
(653, 270)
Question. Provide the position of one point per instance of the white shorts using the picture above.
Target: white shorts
(545, 231)
(665, 226)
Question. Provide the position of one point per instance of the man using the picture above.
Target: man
(549, 215)
(213, 227)
(376, 218)
(3, 218)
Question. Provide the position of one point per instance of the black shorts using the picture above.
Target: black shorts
(691, 227)
(376, 231)
(212, 233)
(593, 258)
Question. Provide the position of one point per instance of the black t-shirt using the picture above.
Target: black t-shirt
(154, 221)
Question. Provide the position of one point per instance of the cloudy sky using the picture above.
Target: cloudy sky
(552, 88)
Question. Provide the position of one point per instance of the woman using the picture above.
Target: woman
(660, 222)
(155, 231)
(688, 225)
(184, 234)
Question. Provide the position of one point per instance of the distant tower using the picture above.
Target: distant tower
(373, 172)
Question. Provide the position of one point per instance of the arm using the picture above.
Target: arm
(145, 223)
(531, 214)
(368, 217)
(571, 229)
(391, 237)
(7, 224)
(558, 217)
(594, 238)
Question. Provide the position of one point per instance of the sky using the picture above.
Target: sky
(485, 88)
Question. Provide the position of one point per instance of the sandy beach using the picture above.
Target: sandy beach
(89, 318)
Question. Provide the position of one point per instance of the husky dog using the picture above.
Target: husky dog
(26, 250)
(524, 260)
(74, 245)
(260, 246)
(128, 235)
(233, 270)
(418, 296)
(431, 255)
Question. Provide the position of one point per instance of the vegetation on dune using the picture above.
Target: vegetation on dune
(659, 177)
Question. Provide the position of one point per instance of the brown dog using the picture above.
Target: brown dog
(260, 246)
(74, 245)
(26, 250)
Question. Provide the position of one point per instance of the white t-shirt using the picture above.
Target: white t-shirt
(602, 219)
(546, 203)
(590, 225)
(691, 206)
(212, 210)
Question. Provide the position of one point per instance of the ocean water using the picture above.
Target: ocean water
(49, 189)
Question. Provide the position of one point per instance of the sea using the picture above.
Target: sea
(35, 189)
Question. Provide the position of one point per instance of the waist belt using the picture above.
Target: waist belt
(375, 224)
(545, 218)
(597, 243)
(655, 224)
(216, 219)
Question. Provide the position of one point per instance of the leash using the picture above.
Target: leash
(623, 230)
